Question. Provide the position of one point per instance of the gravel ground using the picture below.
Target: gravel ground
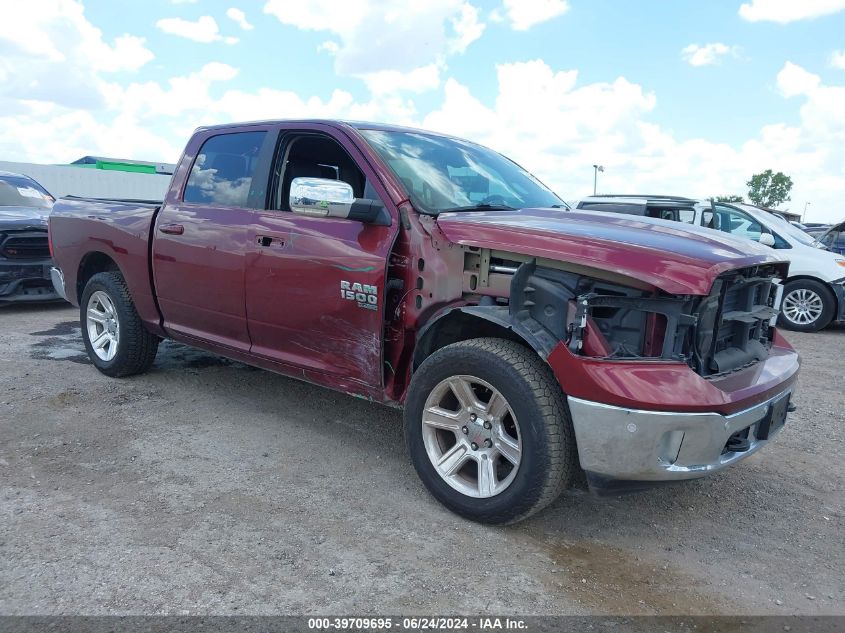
(209, 487)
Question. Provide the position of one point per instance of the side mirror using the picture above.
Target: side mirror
(767, 239)
(324, 198)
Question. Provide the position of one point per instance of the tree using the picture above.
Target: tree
(769, 190)
(730, 199)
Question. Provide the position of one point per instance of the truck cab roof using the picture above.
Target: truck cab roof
(348, 123)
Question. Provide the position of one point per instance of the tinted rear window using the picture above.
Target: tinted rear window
(223, 170)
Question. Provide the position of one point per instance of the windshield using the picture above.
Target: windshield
(17, 191)
(785, 228)
(445, 174)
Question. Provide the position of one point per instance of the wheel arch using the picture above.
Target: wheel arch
(93, 262)
(465, 323)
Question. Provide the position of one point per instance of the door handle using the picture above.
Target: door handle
(269, 240)
(172, 229)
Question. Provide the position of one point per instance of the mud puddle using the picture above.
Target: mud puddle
(63, 342)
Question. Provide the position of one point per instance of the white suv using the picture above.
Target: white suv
(814, 294)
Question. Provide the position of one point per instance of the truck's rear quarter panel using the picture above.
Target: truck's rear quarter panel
(81, 228)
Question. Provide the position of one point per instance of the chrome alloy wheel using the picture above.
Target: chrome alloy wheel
(471, 436)
(103, 326)
(802, 306)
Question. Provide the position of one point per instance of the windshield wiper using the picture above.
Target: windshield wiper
(480, 207)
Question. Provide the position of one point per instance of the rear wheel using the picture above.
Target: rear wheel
(115, 339)
(488, 430)
(807, 305)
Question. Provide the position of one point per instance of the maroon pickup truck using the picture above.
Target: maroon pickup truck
(524, 340)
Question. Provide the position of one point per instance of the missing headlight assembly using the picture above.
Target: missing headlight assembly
(598, 314)
(727, 330)
(601, 318)
(635, 327)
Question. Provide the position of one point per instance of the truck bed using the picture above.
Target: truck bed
(87, 229)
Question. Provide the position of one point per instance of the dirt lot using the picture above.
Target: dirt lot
(209, 487)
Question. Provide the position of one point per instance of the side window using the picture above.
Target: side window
(737, 223)
(780, 243)
(317, 156)
(223, 170)
(686, 215)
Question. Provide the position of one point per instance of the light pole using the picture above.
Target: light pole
(596, 170)
(804, 215)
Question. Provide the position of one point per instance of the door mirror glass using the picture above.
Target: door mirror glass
(767, 239)
(321, 197)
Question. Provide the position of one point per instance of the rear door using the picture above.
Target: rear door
(202, 234)
(315, 286)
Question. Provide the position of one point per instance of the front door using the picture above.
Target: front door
(315, 286)
(201, 239)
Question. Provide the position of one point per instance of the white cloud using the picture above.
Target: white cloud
(543, 119)
(793, 80)
(328, 46)
(707, 54)
(467, 28)
(320, 15)
(523, 14)
(204, 30)
(58, 31)
(837, 59)
(420, 79)
(51, 54)
(785, 11)
(558, 129)
(240, 17)
(387, 35)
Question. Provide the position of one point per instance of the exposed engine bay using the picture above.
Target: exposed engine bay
(600, 314)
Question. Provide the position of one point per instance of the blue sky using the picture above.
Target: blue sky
(685, 97)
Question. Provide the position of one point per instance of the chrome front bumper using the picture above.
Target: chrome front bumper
(58, 279)
(615, 443)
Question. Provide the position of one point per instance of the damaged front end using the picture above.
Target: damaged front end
(729, 329)
(656, 384)
(602, 315)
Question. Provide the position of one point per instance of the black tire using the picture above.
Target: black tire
(136, 348)
(828, 305)
(549, 456)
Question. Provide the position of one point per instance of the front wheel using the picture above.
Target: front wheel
(115, 339)
(808, 305)
(488, 430)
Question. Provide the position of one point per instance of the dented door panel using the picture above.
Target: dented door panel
(315, 290)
